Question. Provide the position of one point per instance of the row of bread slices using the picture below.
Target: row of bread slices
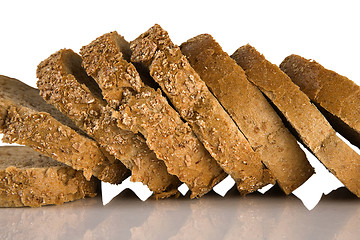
(190, 114)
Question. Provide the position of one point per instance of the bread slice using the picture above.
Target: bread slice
(28, 178)
(26, 119)
(336, 96)
(79, 97)
(195, 103)
(311, 126)
(143, 109)
(258, 121)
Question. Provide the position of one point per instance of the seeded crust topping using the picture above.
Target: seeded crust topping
(28, 178)
(261, 125)
(195, 103)
(80, 98)
(143, 109)
(310, 125)
(22, 123)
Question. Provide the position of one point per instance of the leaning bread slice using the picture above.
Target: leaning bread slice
(143, 109)
(28, 178)
(79, 97)
(258, 121)
(25, 118)
(195, 103)
(337, 96)
(310, 125)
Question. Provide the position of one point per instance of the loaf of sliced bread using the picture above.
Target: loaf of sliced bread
(30, 179)
(79, 97)
(141, 108)
(336, 96)
(310, 125)
(258, 121)
(25, 118)
(195, 103)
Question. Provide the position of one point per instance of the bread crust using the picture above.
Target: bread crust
(79, 97)
(311, 126)
(250, 110)
(194, 102)
(142, 109)
(43, 181)
(337, 96)
(24, 122)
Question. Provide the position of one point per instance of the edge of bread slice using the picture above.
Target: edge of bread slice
(25, 118)
(28, 178)
(335, 95)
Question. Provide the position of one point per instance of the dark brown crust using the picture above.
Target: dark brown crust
(193, 100)
(250, 110)
(39, 186)
(144, 110)
(78, 96)
(311, 126)
(43, 133)
(336, 94)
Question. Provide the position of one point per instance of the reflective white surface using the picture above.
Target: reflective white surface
(256, 216)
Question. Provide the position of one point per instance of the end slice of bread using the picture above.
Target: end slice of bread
(335, 95)
(28, 178)
(310, 125)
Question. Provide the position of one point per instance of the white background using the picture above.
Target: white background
(327, 31)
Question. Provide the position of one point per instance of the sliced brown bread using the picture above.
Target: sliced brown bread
(195, 103)
(25, 118)
(28, 178)
(311, 126)
(143, 109)
(336, 96)
(258, 121)
(79, 97)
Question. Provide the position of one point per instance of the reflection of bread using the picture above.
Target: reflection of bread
(117, 216)
(311, 126)
(250, 110)
(208, 220)
(195, 103)
(143, 109)
(70, 220)
(351, 226)
(336, 95)
(79, 97)
(26, 119)
(163, 222)
(28, 178)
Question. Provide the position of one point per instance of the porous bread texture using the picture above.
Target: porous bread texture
(80, 98)
(195, 103)
(143, 109)
(30, 179)
(310, 125)
(257, 120)
(23, 120)
(335, 95)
